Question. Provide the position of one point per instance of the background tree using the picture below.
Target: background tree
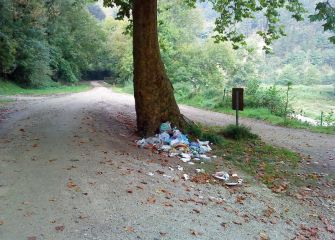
(154, 99)
(48, 41)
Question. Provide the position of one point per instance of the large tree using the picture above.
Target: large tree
(154, 98)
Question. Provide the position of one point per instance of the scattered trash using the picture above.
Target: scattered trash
(165, 127)
(186, 177)
(221, 175)
(175, 143)
(198, 170)
(204, 157)
(150, 174)
(239, 182)
(180, 168)
(232, 180)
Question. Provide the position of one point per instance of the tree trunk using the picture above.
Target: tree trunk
(154, 98)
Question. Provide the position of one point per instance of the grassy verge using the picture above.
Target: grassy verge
(255, 113)
(278, 168)
(8, 88)
(126, 89)
(4, 101)
(265, 115)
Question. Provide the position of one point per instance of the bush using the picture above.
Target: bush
(208, 134)
(270, 98)
(238, 132)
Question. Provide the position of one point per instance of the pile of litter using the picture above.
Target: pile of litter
(174, 143)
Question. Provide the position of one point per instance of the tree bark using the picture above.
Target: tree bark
(154, 98)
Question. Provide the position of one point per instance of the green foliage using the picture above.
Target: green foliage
(325, 12)
(41, 41)
(238, 132)
(118, 58)
(210, 134)
(329, 118)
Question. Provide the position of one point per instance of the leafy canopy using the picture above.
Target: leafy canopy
(232, 12)
(325, 12)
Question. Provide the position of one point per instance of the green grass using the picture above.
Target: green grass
(312, 100)
(238, 132)
(310, 95)
(9, 88)
(3, 101)
(124, 89)
(198, 131)
(265, 115)
(270, 165)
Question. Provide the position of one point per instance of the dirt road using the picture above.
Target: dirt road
(69, 170)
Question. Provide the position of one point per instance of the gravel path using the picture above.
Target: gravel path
(69, 170)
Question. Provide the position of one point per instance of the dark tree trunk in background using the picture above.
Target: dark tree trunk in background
(154, 98)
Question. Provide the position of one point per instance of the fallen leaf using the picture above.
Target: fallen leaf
(274, 221)
(223, 224)
(71, 184)
(166, 204)
(151, 200)
(195, 233)
(32, 238)
(129, 229)
(69, 168)
(60, 228)
(201, 178)
(263, 236)
(240, 199)
(308, 233)
(1, 222)
(329, 227)
(280, 189)
(129, 191)
(268, 212)
(196, 210)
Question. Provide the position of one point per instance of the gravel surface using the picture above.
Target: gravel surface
(69, 170)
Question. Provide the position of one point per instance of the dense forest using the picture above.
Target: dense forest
(43, 42)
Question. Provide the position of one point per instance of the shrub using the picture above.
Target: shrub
(238, 132)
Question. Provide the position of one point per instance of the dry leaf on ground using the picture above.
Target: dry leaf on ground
(60, 228)
(151, 200)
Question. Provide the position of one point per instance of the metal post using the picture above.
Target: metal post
(237, 107)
